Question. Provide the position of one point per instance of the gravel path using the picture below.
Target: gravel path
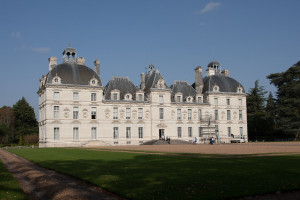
(44, 184)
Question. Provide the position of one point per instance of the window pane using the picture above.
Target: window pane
(93, 113)
(140, 132)
(93, 97)
(190, 131)
(128, 132)
(189, 114)
(75, 133)
(56, 95)
(116, 132)
(75, 96)
(178, 114)
(56, 112)
(179, 132)
(94, 133)
(56, 133)
(75, 112)
(161, 113)
(228, 115)
(140, 114)
(128, 113)
(115, 113)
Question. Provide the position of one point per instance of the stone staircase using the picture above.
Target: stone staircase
(161, 142)
(95, 143)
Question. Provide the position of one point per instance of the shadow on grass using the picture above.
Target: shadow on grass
(137, 176)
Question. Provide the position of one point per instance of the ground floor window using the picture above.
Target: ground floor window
(94, 133)
(179, 132)
(200, 131)
(241, 131)
(75, 133)
(116, 132)
(140, 132)
(128, 132)
(229, 131)
(56, 133)
(190, 131)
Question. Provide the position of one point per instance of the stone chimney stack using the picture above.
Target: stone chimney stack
(80, 61)
(143, 81)
(198, 80)
(52, 62)
(225, 72)
(97, 66)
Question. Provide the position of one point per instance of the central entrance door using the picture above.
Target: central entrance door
(161, 133)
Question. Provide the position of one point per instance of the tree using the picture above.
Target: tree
(256, 114)
(25, 121)
(288, 99)
(7, 121)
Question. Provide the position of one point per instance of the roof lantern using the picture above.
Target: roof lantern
(69, 55)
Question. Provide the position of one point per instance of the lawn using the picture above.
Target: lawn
(9, 187)
(141, 176)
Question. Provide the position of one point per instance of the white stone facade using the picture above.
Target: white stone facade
(90, 114)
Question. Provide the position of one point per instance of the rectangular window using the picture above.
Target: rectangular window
(115, 113)
(75, 96)
(75, 133)
(216, 115)
(190, 131)
(216, 101)
(199, 114)
(200, 131)
(178, 98)
(93, 113)
(56, 95)
(228, 115)
(140, 113)
(128, 132)
(189, 114)
(241, 102)
(161, 98)
(56, 133)
(178, 114)
(128, 113)
(229, 131)
(140, 132)
(240, 115)
(217, 129)
(241, 131)
(199, 99)
(94, 133)
(115, 95)
(228, 102)
(56, 112)
(179, 132)
(93, 97)
(140, 97)
(116, 132)
(75, 112)
(161, 113)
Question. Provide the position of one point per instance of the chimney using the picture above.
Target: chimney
(52, 62)
(198, 80)
(225, 72)
(97, 66)
(143, 81)
(80, 61)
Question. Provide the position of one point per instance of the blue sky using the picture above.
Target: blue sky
(250, 38)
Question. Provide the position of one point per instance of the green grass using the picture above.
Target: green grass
(141, 176)
(9, 187)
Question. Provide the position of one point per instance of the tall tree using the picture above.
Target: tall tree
(256, 112)
(7, 121)
(25, 121)
(288, 99)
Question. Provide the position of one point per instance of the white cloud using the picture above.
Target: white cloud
(209, 7)
(15, 35)
(40, 49)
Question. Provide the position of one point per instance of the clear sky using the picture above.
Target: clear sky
(250, 38)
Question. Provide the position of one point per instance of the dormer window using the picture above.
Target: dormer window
(239, 90)
(216, 88)
(189, 99)
(161, 84)
(128, 96)
(115, 95)
(140, 97)
(178, 97)
(56, 80)
(93, 82)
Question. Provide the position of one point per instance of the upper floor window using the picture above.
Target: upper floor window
(228, 102)
(216, 101)
(216, 115)
(189, 114)
(240, 102)
(75, 96)
(240, 115)
(128, 96)
(93, 97)
(199, 99)
(128, 113)
(178, 114)
(161, 113)
(228, 115)
(199, 114)
(189, 99)
(56, 112)
(140, 97)
(75, 112)
(115, 96)
(161, 98)
(56, 95)
(140, 113)
(93, 113)
(115, 113)
(178, 98)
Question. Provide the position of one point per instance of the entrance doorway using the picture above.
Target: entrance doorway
(161, 133)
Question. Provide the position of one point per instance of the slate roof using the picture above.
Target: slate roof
(184, 88)
(151, 79)
(123, 84)
(225, 83)
(72, 73)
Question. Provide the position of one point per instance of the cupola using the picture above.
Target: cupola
(69, 55)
